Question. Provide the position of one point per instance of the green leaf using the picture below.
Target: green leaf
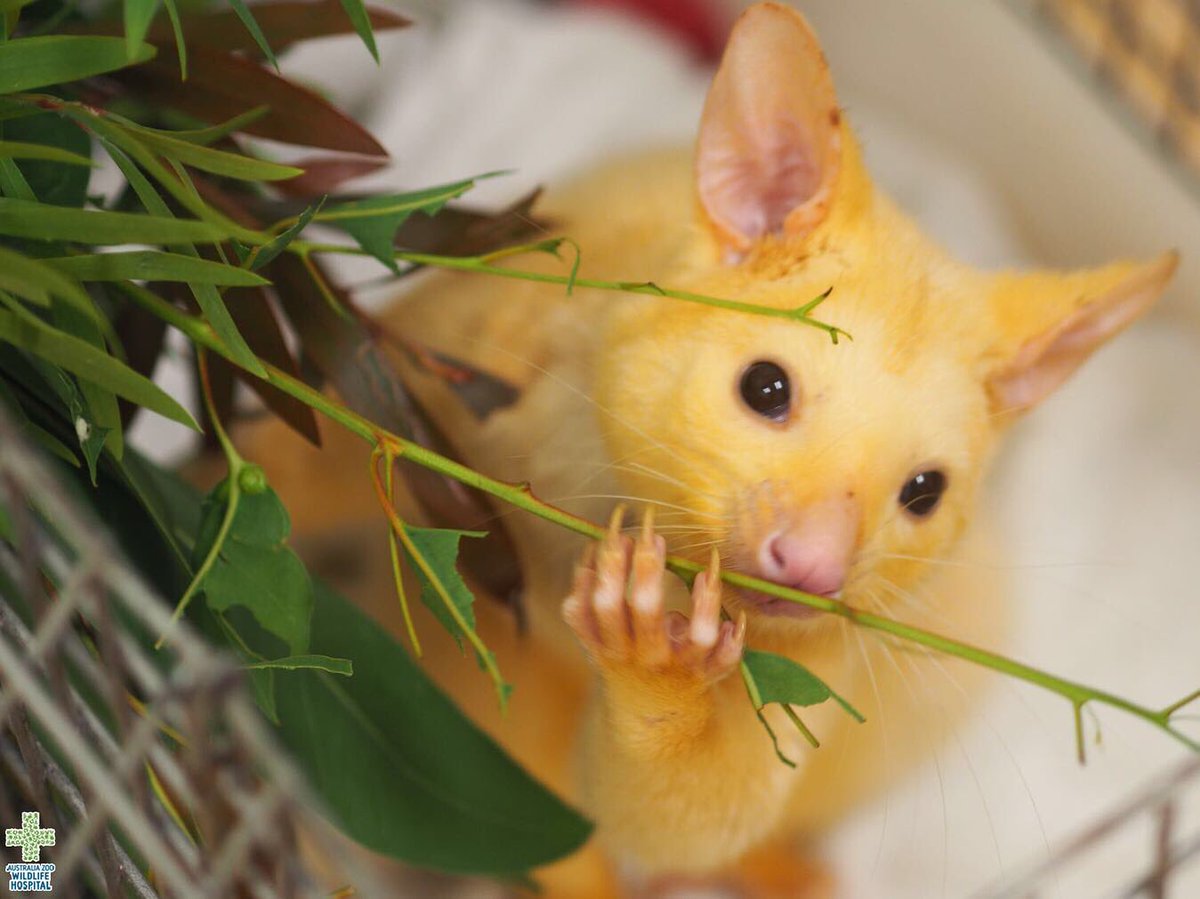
(362, 24)
(214, 133)
(6, 528)
(22, 218)
(373, 222)
(260, 39)
(177, 35)
(779, 679)
(91, 441)
(343, 667)
(36, 62)
(148, 265)
(426, 785)
(88, 363)
(219, 162)
(37, 281)
(38, 434)
(440, 548)
(206, 295)
(138, 16)
(255, 568)
(270, 251)
(60, 183)
(12, 149)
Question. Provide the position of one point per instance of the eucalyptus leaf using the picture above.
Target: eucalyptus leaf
(206, 294)
(148, 265)
(88, 363)
(255, 568)
(36, 62)
(206, 159)
(426, 785)
(23, 218)
(362, 24)
(62, 181)
(423, 783)
(243, 13)
(138, 16)
(11, 149)
(36, 281)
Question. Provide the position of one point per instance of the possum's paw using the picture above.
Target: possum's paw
(616, 609)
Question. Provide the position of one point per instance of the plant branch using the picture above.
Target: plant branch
(521, 496)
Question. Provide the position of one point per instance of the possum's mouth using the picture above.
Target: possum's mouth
(764, 604)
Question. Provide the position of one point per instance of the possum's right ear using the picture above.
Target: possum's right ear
(770, 142)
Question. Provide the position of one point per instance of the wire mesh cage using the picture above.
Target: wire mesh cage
(152, 773)
(1147, 52)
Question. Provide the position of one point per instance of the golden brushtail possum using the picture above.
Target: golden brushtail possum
(848, 470)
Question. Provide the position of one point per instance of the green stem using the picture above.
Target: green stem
(236, 463)
(520, 496)
(480, 265)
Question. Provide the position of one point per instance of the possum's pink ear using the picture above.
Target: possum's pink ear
(1048, 324)
(770, 140)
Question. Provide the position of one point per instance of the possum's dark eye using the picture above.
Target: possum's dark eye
(766, 390)
(922, 493)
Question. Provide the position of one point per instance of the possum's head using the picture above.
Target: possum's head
(842, 470)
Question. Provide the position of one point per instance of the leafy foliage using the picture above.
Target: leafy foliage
(184, 241)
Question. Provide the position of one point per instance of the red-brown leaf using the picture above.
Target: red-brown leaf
(221, 85)
(284, 24)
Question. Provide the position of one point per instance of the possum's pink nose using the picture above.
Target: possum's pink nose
(813, 554)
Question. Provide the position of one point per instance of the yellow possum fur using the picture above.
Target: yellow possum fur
(645, 398)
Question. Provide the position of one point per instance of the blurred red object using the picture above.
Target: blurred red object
(702, 25)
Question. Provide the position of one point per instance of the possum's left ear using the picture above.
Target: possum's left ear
(1048, 323)
(769, 148)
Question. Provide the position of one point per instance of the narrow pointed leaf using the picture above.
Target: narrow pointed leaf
(270, 251)
(22, 218)
(362, 24)
(214, 133)
(12, 149)
(283, 23)
(36, 62)
(260, 39)
(219, 162)
(87, 362)
(59, 182)
(148, 265)
(138, 15)
(177, 36)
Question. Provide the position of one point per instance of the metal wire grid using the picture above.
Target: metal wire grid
(1148, 51)
(118, 771)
